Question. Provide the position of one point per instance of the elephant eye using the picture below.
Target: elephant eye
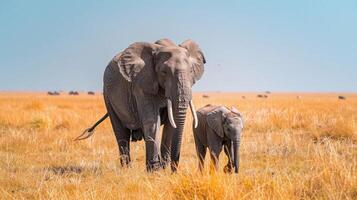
(163, 72)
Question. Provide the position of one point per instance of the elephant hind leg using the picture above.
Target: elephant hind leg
(215, 151)
(122, 135)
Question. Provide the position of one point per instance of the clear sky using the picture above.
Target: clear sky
(249, 45)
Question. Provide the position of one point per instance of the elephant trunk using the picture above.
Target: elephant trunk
(171, 116)
(181, 99)
(236, 144)
(180, 116)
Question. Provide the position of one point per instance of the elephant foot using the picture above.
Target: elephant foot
(125, 161)
(174, 166)
(228, 169)
(165, 161)
(136, 135)
(164, 164)
(153, 166)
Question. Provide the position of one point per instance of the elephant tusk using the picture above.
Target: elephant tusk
(171, 116)
(194, 114)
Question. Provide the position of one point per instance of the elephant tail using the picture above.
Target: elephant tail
(90, 131)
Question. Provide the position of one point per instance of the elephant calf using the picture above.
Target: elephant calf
(218, 127)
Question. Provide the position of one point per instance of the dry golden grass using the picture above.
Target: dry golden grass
(291, 149)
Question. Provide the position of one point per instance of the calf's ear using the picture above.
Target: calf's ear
(215, 121)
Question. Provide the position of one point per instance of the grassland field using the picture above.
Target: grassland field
(294, 146)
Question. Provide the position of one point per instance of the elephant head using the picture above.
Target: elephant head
(227, 124)
(168, 70)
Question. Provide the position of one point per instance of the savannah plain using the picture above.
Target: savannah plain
(291, 148)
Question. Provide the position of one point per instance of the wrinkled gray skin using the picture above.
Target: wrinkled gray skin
(218, 127)
(137, 84)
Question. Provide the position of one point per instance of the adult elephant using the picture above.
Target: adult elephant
(148, 85)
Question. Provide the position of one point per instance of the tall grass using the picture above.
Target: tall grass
(291, 149)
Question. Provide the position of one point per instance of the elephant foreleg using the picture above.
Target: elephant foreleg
(228, 150)
(151, 132)
(149, 114)
(166, 140)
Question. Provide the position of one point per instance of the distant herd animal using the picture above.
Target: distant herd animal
(53, 93)
(72, 92)
(149, 85)
(262, 96)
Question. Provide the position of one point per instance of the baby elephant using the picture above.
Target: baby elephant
(218, 127)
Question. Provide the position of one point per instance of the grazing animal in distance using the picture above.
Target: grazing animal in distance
(205, 96)
(73, 93)
(55, 93)
(341, 97)
(262, 96)
(218, 127)
(91, 93)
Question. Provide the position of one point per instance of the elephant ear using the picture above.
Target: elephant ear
(197, 58)
(235, 111)
(239, 116)
(136, 65)
(215, 121)
(165, 42)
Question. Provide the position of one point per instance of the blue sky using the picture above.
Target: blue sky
(249, 45)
